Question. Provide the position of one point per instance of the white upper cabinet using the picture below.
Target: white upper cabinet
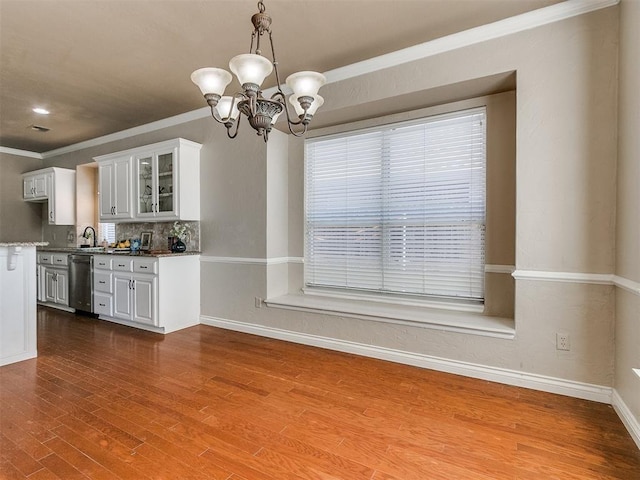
(57, 187)
(34, 186)
(162, 183)
(114, 189)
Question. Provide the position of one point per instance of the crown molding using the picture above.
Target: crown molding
(508, 26)
(21, 153)
(132, 132)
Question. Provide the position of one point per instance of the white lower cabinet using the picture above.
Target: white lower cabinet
(56, 283)
(102, 288)
(134, 298)
(53, 279)
(161, 294)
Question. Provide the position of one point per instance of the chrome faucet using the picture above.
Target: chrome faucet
(84, 234)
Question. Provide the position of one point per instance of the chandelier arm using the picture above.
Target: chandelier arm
(298, 134)
(215, 115)
(229, 125)
(280, 94)
(237, 96)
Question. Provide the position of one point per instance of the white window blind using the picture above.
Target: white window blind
(399, 209)
(106, 231)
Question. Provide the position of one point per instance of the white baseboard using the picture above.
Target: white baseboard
(533, 381)
(629, 420)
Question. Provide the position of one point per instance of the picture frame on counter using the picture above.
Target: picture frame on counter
(145, 240)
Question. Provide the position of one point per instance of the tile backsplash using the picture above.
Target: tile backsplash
(160, 233)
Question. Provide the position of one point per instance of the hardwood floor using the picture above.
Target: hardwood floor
(104, 401)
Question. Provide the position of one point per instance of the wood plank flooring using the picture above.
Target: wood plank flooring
(103, 401)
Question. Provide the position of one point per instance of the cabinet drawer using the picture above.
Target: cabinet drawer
(102, 262)
(102, 282)
(145, 265)
(123, 264)
(103, 304)
(60, 259)
(45, 258)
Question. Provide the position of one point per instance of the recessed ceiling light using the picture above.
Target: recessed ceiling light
(41, 111)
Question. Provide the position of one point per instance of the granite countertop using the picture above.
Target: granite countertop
(108, 251)
(24, 244)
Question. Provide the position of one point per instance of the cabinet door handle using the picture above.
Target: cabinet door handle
(102, 304)
(144, 266)
(102, 281)
(133, 284)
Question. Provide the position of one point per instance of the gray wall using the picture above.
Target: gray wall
(565, 205)
(20, 221)
(627, 384)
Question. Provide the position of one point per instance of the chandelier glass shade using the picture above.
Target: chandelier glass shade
(251, 69)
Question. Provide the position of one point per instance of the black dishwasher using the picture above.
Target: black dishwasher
(81, 282)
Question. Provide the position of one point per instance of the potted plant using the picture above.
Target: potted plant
(181, 232)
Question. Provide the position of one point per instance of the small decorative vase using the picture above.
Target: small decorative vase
(178, 246)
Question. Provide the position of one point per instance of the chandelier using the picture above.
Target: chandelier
(251, 69)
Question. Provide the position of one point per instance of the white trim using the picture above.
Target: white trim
(627, 417)
(534, 381)
(66, 308)
(252, 261)
(508, 26)
(568, 277)
(422, 316)
(499, 269)
(331, 294)
(626, 284)
(132, 132)
(636, 371)
(240, 260)
(128, 323)
(573, 277)
(21, 153)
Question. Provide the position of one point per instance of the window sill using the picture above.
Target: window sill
(424, 317)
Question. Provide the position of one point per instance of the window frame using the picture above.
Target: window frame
(411, 299)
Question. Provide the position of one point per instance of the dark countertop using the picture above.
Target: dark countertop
(23, 244)
(109, 251)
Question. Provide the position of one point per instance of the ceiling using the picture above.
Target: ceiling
(102, 66)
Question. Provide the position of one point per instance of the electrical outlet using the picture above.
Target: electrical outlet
(259, 301)
(562, 341)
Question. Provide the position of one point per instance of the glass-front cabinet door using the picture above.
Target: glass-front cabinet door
(165, 184)
(156, 182)
(145, 170)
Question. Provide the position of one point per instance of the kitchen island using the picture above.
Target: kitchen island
(18, 283)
